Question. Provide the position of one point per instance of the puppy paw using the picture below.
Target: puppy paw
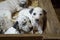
(40, 32)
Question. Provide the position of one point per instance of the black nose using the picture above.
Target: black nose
(31, 28)
(37, 20)
(23, 5)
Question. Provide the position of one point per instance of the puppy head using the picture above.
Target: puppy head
(37, 13)
(25, 24)
(23, 2)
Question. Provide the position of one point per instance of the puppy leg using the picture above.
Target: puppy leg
(39, 30)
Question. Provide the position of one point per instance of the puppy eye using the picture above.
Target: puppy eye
(34, 13)
(29, 21)
(40, 14)
(24, 23)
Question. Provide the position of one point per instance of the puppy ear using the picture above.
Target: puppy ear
(44, 20)
(31, 11)
(15, 25)
(44, 12)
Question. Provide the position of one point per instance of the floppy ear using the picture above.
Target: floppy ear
(15, 25)
(44, 20)
(44, 12)
(31, 11)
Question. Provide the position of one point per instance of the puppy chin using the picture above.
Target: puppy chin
(27, 30)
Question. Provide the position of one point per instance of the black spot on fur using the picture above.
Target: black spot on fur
(34, 13)
(24, 23)
(1, 31)
(30, 21)
(15, 25)
(31, 11)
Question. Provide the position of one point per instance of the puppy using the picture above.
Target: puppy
(8, 7)
(24, 24)
(36, 16)
(13, 5)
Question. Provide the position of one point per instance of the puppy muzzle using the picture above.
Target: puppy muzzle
(31, 28)
(37, 20)
(23, 5)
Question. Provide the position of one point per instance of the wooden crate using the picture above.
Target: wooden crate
(52, 24)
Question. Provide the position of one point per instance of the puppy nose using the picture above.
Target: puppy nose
(23, 5)
(37, 20)
(31, 28)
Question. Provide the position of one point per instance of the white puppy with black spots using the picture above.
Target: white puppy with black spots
(21, 26)
(8, 7)
(24, 24)
(36, 16)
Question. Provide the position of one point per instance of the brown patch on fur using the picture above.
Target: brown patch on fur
(44, 20)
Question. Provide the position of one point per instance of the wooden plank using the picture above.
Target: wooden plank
(1, 0)
(51, 36)
(54, 26)
(21, 37)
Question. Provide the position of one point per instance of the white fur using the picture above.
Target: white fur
(5, 23)
(11, 6)
(7, 8)
(21, 20)
(32, 17)
(11, 31)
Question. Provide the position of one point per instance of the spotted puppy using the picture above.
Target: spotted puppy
(24, 24)
(8, 7)
(36, 16)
